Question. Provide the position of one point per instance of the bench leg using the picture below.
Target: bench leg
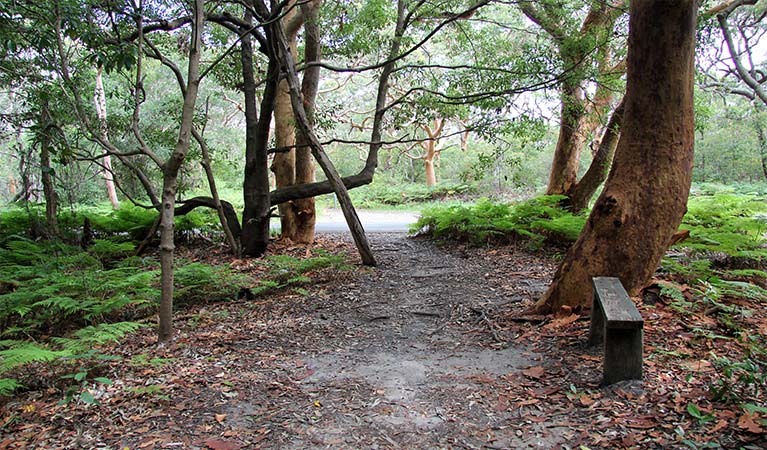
(623, 355)
(597, 327)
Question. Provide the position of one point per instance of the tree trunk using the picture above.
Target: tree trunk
(645, 196)
(255, 216)
(170, 176)
(100, 100)
(46, 172)
(282, 53)
(306, 215)
(580, 194)
(761, 139)
(231, 238)
(284, 163)
(567, 154)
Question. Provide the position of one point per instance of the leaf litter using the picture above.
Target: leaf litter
(429, 350)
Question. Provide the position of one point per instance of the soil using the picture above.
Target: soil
(428, 350)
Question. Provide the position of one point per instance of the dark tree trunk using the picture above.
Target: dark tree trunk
(46, 173)
(580, 194)
(255, 216)
(645, 196)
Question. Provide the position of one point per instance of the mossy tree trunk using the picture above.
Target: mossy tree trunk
(46, 172)
(645, 195)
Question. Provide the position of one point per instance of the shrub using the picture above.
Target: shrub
(538, 219)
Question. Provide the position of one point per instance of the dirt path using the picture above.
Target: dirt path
(403, 356)
(411, 351)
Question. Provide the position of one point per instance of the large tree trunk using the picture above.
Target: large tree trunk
(306, 215)
(170, 175)
(281, 51)
(255, 216)
(645, 195)
(580, 193)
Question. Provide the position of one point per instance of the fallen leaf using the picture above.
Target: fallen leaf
(220, 444)
(722, 424)
(749, 422)
(220, 418)
(534, 372)
(317, 403)
(698, 366)
(586, 400)
(562, 321)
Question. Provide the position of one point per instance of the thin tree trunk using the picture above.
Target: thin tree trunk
(170, 175)
(645, 196)
(233, 242)
(100, 100)
(255, 216)
(580, 194)
(46, 177)
(761, 139)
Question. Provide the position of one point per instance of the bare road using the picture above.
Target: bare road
(332, 221)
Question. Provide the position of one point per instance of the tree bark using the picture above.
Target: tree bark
(306, 215)
(255, 216)
(46, 172)
(170, 175)
(645, 196)
(567, 153)
(284, 163)
(282, 52)
(580, 194)
(100, 101)
(231, 238)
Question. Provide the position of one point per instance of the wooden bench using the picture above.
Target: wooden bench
(616, 322)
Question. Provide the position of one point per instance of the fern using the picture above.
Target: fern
(26, 353)
(537, 219)
(8, 386)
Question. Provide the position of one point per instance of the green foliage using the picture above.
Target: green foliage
(743, 380)
(196, 282)
(538, 219)
(727, 223)
(390, 193)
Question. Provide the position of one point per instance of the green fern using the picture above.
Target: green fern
(26, 353)
(8, 386)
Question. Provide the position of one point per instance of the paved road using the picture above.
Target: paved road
(332, 221)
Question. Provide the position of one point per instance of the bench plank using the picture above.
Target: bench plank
(620, 312)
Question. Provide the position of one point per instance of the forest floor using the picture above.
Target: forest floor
(425, 351)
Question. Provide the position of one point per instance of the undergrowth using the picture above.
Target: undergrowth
(388, 194)
(537, 220)
(61, 307)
